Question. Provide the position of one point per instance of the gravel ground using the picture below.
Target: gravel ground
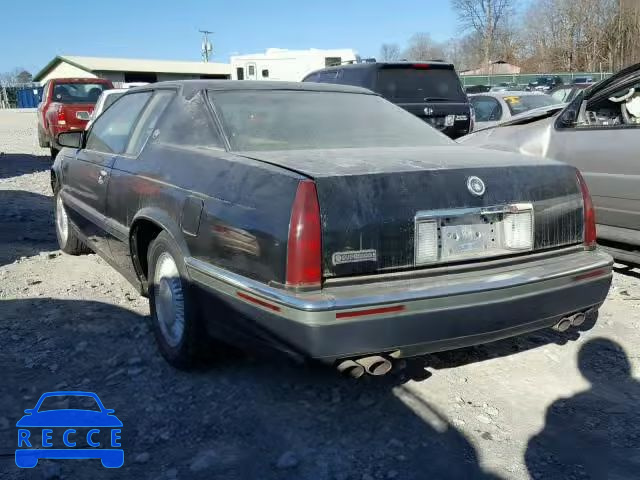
(542, 406)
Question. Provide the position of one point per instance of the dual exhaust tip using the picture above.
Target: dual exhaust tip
(574, 320)
(373, 365)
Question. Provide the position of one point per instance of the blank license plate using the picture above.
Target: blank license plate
(82, 115)
(473, 240)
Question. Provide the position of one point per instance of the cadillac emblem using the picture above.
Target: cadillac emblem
(476, 186)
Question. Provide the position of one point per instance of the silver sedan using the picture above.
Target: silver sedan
(492, 108)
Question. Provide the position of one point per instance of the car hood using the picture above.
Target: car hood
(69, 418)
(362, 161)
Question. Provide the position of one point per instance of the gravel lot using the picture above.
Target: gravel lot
(544, 406)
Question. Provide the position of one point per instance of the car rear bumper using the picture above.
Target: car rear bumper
(412, 315)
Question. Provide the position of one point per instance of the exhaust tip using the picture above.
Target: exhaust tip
(563, 325)
(578, 319)
(350, 368)
(375, 365)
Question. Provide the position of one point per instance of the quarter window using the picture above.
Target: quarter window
(110, 132)
(148, 119)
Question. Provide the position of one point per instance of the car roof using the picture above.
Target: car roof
(189, 87)
(507, 93)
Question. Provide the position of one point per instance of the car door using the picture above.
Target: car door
(86, 171)
(607, 156)
(128, 190)
(488, 111)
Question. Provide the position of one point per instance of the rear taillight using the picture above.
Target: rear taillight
(590, 235)
(304, 250)
(62, 117)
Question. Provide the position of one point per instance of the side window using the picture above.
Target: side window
(187, 122)
(328, 76)
(145, 126)
(45, 91)
(351, 76)
(487, 109)
(311, 78)
(110, 132)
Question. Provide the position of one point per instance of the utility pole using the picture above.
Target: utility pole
(206, 48)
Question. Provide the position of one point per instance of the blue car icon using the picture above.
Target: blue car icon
(40, 424)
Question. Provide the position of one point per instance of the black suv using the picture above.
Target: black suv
(430, 90)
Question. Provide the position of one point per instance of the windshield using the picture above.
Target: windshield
(419, 85)
(64, 402)
(294, 120)
(524, 103)
(78, 92)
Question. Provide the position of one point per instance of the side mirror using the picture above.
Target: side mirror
(71, 139)
(568, 118)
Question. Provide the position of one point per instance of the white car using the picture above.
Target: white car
(106, 98)
(492, 108)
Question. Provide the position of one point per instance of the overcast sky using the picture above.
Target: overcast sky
(33, 32)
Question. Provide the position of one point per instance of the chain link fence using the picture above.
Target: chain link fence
(526, 78)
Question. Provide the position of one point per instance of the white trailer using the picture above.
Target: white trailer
(287, 65)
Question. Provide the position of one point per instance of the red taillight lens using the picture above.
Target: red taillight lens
(62, 117)
(590, 235)
(304, 250)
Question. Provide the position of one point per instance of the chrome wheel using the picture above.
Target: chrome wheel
(62, 221)
(169, 299)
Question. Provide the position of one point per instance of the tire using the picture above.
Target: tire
(54, 152)
(42, 141)
(67, 238)
(175, 317)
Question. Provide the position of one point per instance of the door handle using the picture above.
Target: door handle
(101, 176)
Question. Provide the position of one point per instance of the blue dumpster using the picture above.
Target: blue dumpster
(28, 97)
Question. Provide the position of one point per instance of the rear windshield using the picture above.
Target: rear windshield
(78, 92)
(294, 120)
(519, 104)
(419, 85)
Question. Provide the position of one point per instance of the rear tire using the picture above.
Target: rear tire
(54, 152)
(68, 240)
(175, 317)
(42, 140)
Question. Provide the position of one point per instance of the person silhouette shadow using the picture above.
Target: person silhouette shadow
(596, 433)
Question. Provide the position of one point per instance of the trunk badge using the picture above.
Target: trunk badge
(476, 186)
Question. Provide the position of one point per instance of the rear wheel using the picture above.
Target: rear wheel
(54, 151)
(68, 240)
(42, 140)
(177, 326)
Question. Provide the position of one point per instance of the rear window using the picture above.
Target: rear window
(519, 104)
(78, 92)
(409, 84)
(290, 120)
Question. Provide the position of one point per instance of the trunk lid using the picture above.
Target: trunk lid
(370, 199)
(76, 114)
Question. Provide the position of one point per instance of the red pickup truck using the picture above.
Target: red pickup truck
(67, 104)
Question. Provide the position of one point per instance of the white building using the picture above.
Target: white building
(287, 65)
(129, 70)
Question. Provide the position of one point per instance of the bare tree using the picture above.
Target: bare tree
(422, 47)
(389, 52)
(484, 17)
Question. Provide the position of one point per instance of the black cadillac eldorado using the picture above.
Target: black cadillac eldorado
(324, 221)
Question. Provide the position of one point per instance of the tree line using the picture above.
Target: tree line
(538, 36)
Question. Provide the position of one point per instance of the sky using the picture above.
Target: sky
(34, 32)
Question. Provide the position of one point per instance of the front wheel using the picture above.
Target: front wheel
(68, 240)
(174, 313)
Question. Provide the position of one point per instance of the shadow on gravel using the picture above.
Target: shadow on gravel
(596, 433)
(242, 418)
(26, 225)
(16, 164)
(628, 271)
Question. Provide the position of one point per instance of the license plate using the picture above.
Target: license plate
(473, 233)
(82, 115)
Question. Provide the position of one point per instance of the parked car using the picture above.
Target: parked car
(582, 80)
(325, 221)
(66, 106)
(546, 83)
(430, 90)
(494, 107)
(104, 101)
(505, 87)
(598, 132)
(476, 89)
(566, 93)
